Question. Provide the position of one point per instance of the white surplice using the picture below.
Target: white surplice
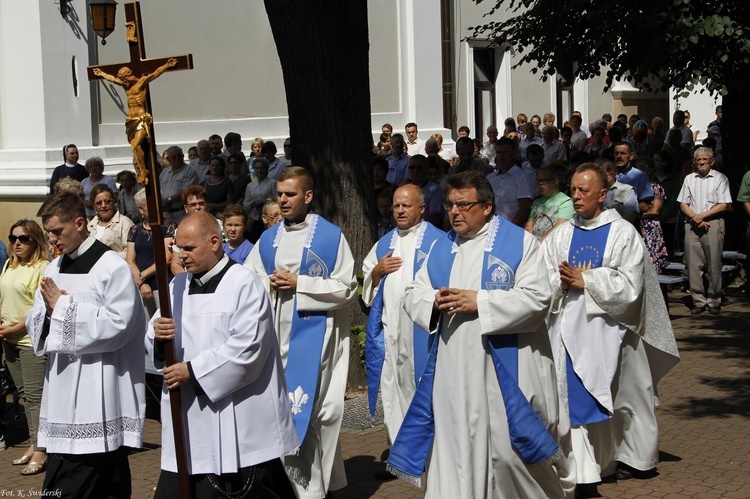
(240, 415)
(397, 383)
(319, 467)
(94, 393)
(472, 455)
(618, 335)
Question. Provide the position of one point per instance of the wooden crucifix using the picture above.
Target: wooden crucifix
(134, 76)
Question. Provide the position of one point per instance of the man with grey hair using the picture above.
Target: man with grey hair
(173, 181)
(703, 198)
(200, 164)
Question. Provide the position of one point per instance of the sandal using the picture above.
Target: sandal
(34, 468)
(22, 460)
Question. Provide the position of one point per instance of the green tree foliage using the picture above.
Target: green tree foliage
(681, 43)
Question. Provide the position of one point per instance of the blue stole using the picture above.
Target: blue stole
(528, 434)
(374, 336)
(308, 328)
(586, 252)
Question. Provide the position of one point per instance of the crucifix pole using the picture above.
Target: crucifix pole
(134, 76)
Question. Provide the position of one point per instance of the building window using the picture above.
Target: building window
(485, 74)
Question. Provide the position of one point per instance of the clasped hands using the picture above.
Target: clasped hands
(453, 301)
(699, 222)
(283, 280)
(570, 277)
(50, 293)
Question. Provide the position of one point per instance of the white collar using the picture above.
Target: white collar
(214, 270)
(80, 250)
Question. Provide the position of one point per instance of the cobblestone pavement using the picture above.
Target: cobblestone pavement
(704, 419)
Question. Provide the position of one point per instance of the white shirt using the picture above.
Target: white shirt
(416, 147)
(703, 193)
(509, 188)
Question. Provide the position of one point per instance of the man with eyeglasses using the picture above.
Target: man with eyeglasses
(287, 158)
(553, 208)
(193, 200)
(173, 181)
(487, 402)
(610, 334)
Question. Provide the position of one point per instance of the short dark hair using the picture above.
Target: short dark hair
(214, 136)
(66, 206)
(623, 143)
(221, 162)
(464, 128)
(98, 189)
(418, 159)
(410, 124)
(268, 146)
(473, 179)
(238, 156)
(232, 138)
(235, 210)
(194, 191)
(465, 140)
(534, 149)
(505, 141)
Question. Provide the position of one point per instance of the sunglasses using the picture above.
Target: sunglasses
(24, 239)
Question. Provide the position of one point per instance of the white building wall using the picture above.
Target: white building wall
(236, 84)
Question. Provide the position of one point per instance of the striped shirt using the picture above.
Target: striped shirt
(703, 193)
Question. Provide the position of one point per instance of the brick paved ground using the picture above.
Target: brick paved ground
(704, 418)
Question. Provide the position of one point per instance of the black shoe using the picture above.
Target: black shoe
(697, 310)
(383, 476)
(625, 472)
(586, 490)
(714, 310)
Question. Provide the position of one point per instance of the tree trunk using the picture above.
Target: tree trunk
(323, 47)
(736, 106)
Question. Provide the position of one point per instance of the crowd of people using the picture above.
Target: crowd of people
(529, 261)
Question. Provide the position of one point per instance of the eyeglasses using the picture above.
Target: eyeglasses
(103, 202)
(23, 239)
(462, 206)
(196, 204)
